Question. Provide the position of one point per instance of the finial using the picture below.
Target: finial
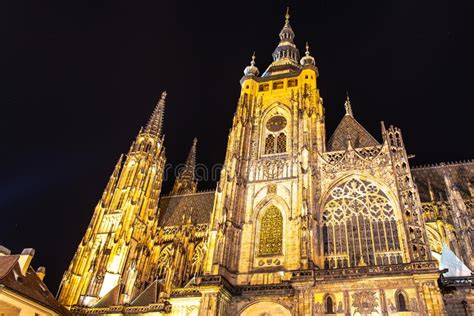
(347, 105)
(287, 16)
(253, 59)
(307, 49)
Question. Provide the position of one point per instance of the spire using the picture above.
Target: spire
(186, 180)
(348, 106)
(156, 119)
(285, 56)
(252, 70)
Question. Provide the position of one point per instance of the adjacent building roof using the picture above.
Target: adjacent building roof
(460, 175)
(178, 208)
(29, 285)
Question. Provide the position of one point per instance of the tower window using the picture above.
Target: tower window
(278, 85)
(401, 302)
(263, 87)
(281, 143)
(270, 144)
(292, 83)
(275, 140)
(271, 232)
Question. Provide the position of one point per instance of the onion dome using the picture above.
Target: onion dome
(307, 59)
(252, 70)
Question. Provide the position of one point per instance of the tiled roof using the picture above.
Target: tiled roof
(460, 174)
(347, 129)
(28, 285)
(198, 206)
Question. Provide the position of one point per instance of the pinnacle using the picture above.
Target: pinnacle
(155, 122)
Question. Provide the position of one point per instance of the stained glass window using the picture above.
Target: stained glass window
(271, 232)
(359, 227)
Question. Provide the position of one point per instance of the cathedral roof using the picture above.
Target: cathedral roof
(460, 174)
(350, 129)
(198, 206)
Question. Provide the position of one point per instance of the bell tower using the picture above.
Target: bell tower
(262, 200)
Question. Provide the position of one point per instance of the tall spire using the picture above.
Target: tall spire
(186, 180)
(348, 106)
(285, 56)
(156, 119)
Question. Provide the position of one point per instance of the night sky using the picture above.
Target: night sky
(78, 79)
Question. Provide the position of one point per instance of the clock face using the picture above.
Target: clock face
(276, 123)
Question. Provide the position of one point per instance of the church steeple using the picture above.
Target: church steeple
(156, 119)
(286, 56)
(186, 180)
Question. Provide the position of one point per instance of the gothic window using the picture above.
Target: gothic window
(270, 144)
(401, 302)
(275, 135)
(359, 227)
(271, 232)
(329, 305)
(281, 143)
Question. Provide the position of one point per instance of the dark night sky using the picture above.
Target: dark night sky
(78, 79)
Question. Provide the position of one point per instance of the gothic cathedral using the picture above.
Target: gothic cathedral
(298, 224)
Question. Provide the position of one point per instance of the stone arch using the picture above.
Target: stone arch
(265, 308)
(360, 224)
(402, 300)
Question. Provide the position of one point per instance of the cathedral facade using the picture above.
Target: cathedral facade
(298, 224)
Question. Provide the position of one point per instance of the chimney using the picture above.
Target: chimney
(41, 272)
(25, 259)
(4, 251)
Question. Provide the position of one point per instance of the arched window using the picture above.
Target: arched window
(359, 226)
(271, 232)
(281, 143)
(270, 144)
(401, 302)
(329, 305)
(275, 135)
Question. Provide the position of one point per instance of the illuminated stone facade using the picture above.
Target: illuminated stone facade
(298, 225)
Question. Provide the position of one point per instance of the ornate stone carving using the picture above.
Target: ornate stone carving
(365, 302)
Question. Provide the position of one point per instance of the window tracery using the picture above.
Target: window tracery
(275, 135)
(271, 232)
(164, 261)
(359, 227)
(197, 258)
